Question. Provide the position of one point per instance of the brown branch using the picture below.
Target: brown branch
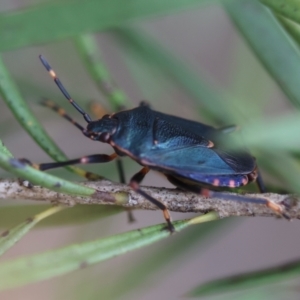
(110, 193)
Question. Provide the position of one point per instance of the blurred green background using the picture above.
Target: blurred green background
(221, 63)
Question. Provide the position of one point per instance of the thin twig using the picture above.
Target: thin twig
(109, 193)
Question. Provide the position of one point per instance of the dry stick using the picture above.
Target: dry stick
(110, 193)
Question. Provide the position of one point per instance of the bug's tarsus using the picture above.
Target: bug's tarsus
(63, 89)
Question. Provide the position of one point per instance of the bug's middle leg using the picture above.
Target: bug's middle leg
(122, 179)
(135, 185)
(260, 184)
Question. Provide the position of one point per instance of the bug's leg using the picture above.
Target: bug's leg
(135, 185)
(52, 105)
(278, 209)
(90, 159)
(120, 170)
(260, 183)
(122, 179)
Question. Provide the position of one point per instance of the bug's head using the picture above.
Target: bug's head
(101, 130)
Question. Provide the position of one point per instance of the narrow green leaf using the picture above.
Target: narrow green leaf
(10, 214)
(272, 46)
(163, 257)
(14, 100)
(277, 293)
(18, 106)
(4, 150)
(53, 263)
(91, 56)
(276, 133)
(36, 25)
(288, 8)
(291, 27)
(211, 101)
(249, 280)
(287, 176)
(9, 237)
(41, 178)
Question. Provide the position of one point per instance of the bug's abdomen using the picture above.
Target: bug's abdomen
(231, 181)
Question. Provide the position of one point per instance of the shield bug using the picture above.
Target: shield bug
(190, 154)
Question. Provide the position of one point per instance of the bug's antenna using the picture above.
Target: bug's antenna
(63, 90)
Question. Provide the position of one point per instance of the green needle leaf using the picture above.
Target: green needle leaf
(287, 8)
(9, 237)
(73, 215)
(248, 280)
(273, 47)
(63, 19)
(54, 263)
(41, 178)
(212, 101)
(14, 100)
(91, 56)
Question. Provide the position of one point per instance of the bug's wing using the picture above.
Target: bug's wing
(199, 160)
(171, 135)
(189, 125)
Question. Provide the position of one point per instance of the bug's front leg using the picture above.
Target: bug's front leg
(96, 158)
(135, 185)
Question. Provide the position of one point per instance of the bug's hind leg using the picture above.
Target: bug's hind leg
(135, 185)
(278, 209)
(260, 183)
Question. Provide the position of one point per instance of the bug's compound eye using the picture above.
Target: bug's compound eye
(104, 137)
(95, 137)
(90, 134)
